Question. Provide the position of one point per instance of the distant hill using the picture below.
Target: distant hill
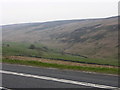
(94, 38)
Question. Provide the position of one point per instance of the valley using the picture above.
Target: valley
(86, 42)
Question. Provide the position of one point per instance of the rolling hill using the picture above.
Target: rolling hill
(91, 38)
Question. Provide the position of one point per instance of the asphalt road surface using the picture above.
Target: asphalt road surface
(21, 76)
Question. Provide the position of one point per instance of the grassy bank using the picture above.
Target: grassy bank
(106, 70)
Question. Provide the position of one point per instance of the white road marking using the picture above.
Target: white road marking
(3, 88)
(59, 80)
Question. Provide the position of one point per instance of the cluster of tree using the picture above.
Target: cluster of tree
(39, 49)
(7, 45)
(32, 46)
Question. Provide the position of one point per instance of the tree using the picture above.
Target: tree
(7, 45)
(32, 46)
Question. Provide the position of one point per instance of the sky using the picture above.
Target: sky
(27, 11)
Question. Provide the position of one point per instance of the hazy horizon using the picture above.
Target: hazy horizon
(28, 11)
(58, 20)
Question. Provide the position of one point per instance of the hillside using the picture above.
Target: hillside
(91, 38)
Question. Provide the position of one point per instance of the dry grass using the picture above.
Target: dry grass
(55, 61)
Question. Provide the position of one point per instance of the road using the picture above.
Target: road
(21, 76)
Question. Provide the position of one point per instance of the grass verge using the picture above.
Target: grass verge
(106, 70)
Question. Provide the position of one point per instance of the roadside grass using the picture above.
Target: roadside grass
(106, 70)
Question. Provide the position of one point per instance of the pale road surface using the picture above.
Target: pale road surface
(21, 76)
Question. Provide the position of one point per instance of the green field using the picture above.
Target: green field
(41, 51)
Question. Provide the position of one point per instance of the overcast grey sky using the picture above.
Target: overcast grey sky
(25, 11)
